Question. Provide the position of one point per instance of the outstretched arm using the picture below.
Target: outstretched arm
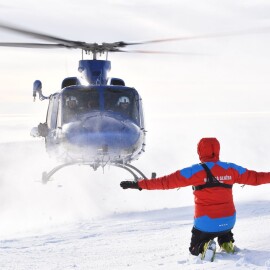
(166, 182)
(174, 180)
(253, 178)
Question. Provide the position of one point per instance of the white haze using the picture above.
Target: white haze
(83, 219)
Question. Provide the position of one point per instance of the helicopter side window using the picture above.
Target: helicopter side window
(59, 114)
(49, 114)
(135, 110)
(140, 115)
(52, 112)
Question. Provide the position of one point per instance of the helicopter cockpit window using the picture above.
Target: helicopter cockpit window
(78, 103)
(122, 102)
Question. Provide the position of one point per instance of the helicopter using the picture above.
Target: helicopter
(93, 119)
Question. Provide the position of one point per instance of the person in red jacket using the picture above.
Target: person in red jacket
(212, 182)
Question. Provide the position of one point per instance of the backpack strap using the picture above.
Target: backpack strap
(211, 181)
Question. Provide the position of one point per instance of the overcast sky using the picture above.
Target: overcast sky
(227, 74)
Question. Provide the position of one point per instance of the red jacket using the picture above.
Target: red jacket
(214, 207)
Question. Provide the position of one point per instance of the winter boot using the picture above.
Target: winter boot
(209, 251)
(228, 247)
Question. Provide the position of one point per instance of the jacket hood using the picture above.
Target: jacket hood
(208, 149)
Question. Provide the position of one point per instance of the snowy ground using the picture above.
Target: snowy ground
(155, 239)
(83, 220)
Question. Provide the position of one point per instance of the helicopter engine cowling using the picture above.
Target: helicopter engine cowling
(94, 71)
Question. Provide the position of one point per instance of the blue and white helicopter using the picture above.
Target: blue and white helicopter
(94, 120)
(97, 124)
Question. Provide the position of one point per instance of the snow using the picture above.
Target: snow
(84, 220)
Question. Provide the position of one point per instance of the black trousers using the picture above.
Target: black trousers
(199, 238)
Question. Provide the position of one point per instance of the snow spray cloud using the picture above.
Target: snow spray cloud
(26, 204)
(76, 192)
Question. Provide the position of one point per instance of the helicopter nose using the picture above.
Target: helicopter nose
(98, 131)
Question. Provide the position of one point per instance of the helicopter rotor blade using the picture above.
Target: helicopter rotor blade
(59, 42)
(33, 45)
(40, 35)
(206, 36)
(159, 52)
(114, 46)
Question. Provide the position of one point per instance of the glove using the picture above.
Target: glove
(130, 184)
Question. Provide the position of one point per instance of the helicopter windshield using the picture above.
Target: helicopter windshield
(77, 102)
(122, 101)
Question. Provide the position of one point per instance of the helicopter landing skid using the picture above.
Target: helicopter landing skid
(136, 173)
